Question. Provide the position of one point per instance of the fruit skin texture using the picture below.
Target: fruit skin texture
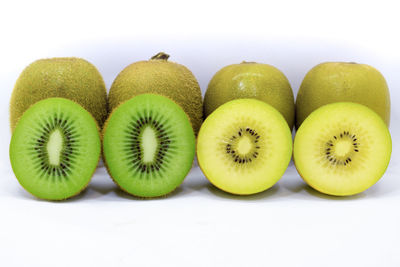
(343, 82)
(159, 76)
(251, 80)
(368, 170)
(72, 78)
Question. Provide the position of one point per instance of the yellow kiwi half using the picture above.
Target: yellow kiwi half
(342, 149)
(244, 146)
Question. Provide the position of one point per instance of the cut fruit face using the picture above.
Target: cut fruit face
(244, 146)
(148, 145)
(342, 149)
(55, 149)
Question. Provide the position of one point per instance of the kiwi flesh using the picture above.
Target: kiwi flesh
(244, 146)
(342, 149)
(55, 148)
(148, 145)
(72, 78)
(163, 77)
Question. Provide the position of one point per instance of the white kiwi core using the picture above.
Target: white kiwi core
(244, 145)
(54, 147)
(149, 144)
(342, 148)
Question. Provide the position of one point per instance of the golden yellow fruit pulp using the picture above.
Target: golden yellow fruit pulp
(72, 78)
(244, 147)
(160, 76)
(342, 149)
(343, 82)
(251, 80)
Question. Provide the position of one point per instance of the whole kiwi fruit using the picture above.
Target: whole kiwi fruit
(251, 80)
(159, 76)
(332, 82)
(67, 77)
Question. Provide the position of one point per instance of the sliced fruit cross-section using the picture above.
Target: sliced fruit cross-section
(148, 145)
(55, 149)
(342, 149)
(244, 146)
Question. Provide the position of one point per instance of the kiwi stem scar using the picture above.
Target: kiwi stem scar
(54, 147)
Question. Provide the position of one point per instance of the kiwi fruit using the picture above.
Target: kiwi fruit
(251, 80)
(342, 149)
(55, 148)
(163, 77)
(332, 82)
(244, 146)
(148, 145)
(72, 78)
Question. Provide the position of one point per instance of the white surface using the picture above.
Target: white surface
(198, 225)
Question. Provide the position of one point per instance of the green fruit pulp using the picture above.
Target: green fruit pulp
(148, 145)
(55, 149)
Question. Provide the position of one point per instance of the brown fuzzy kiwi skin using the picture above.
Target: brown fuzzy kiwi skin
(84, 187)
(108, 170)
(160, 76)
(73, 78)
(331, 82)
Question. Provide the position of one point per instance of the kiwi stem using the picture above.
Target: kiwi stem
(160, 56)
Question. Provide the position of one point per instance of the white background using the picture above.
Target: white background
(198, 225)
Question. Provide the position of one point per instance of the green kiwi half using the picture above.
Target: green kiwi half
(55, 149)
(148, 145)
